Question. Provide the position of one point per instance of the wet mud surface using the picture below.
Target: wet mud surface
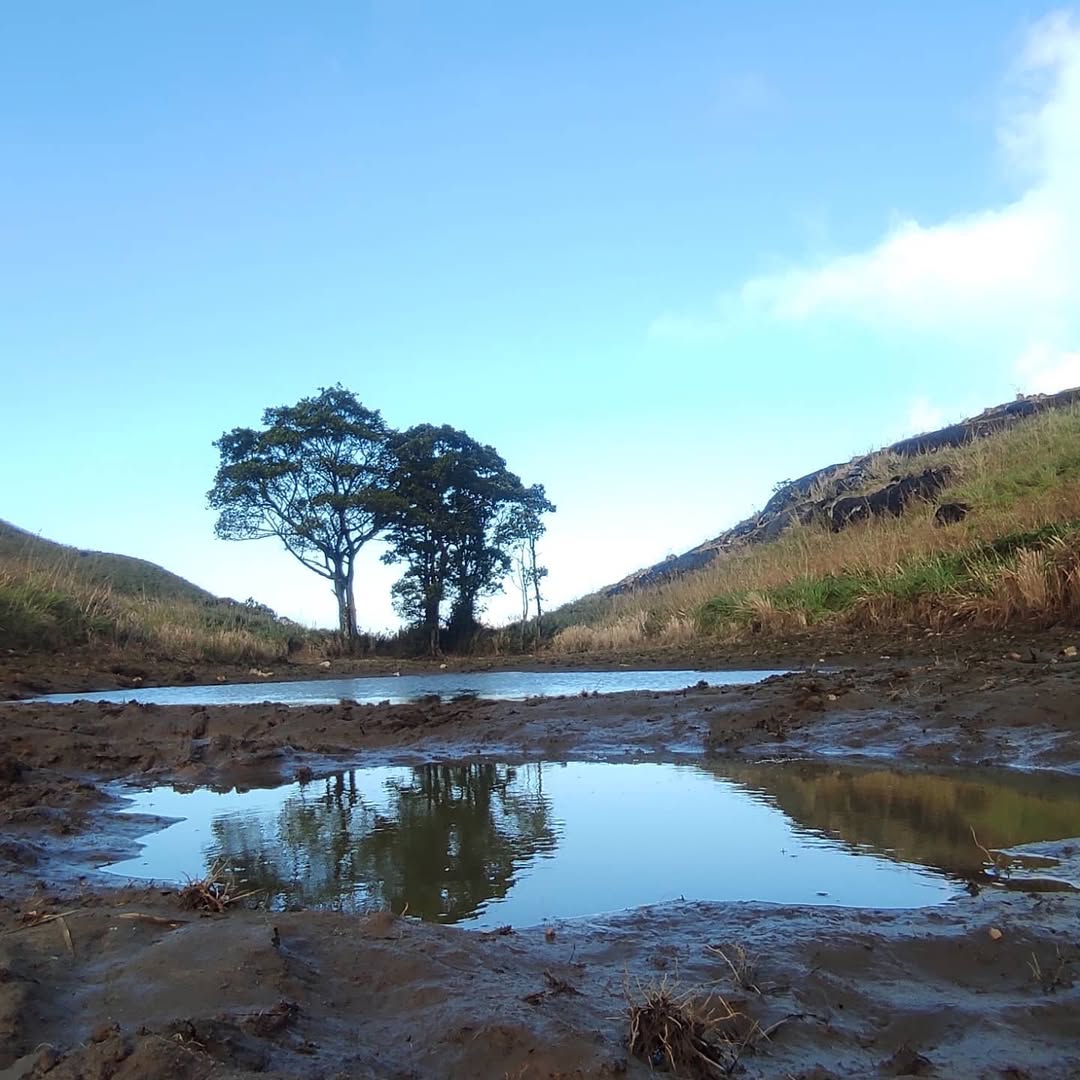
(100, 981)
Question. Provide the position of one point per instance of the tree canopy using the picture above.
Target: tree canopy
(457, 513)
(314, 477)
(326, 476)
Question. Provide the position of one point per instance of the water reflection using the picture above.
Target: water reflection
(923, 818)
(483, 843)
(443, 839)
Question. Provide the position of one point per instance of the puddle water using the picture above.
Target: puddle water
(497, 685)
(483, 844)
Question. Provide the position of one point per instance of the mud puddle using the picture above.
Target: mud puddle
(485, 844)
(402, 689)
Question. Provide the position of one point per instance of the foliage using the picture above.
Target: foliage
(457, 512)
(314, 477)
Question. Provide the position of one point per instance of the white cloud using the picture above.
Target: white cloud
(930, 276)
(1010, 273)
(922, 417)
(1043, 369)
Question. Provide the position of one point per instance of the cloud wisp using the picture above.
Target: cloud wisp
(1008, 274)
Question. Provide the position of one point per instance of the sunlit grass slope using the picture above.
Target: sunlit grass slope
(52, 597)
(1014, 559)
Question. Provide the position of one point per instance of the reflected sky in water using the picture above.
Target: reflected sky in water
(484, 844)
(494, 685)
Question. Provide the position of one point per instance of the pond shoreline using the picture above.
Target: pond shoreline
(319, 994)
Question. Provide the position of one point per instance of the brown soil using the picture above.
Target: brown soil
(99, 982)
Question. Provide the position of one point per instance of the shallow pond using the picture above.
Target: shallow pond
(495, 685)
(485, 844)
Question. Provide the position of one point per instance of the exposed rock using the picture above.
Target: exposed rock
(890, 499)
(950, 513)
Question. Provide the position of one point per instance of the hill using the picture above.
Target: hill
(974, 523)
(53, 596)
(124, 574)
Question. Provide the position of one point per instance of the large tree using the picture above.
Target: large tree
(315, 477)
(457, 515)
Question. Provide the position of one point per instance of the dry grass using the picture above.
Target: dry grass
(49, 602)
(632, 629)
(1057, 975)
(887, 571)
(741, 965)
(214, 893)
(693, 1033)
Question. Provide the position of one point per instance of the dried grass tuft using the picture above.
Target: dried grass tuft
(693, 1034)
(742, 966)
(214, 893)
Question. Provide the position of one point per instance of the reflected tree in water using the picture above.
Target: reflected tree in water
(441, 839)
(916, 817)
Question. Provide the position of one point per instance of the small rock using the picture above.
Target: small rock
(549, 933)
(1013, 656)
(995, 934)
(103, 1031)
(325, 665)
(1069, 650)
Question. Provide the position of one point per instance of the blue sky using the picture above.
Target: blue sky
(660, 255)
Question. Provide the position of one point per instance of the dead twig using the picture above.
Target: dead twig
(998, 861)
(36, 918)
(67, 935)
(153, 920)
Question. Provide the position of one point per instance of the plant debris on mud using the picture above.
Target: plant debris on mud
(213, 893)
(693, 1034)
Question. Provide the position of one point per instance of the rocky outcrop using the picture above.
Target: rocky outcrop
(825, 495)
(890, 499)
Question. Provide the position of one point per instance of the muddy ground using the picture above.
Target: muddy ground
(97, 981)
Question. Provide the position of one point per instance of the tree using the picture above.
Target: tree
(528, 573)
(458, 513)
(314, 477)
(530, 528)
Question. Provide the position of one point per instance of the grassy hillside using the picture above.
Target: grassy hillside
(1014, 559)
(52, 597)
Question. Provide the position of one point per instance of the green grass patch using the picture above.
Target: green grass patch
(934, 575)
(817, 598)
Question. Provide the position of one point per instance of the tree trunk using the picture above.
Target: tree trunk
(522, 568)
(431, 621)
(346, 605)
(350, 609)
(536, 589)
